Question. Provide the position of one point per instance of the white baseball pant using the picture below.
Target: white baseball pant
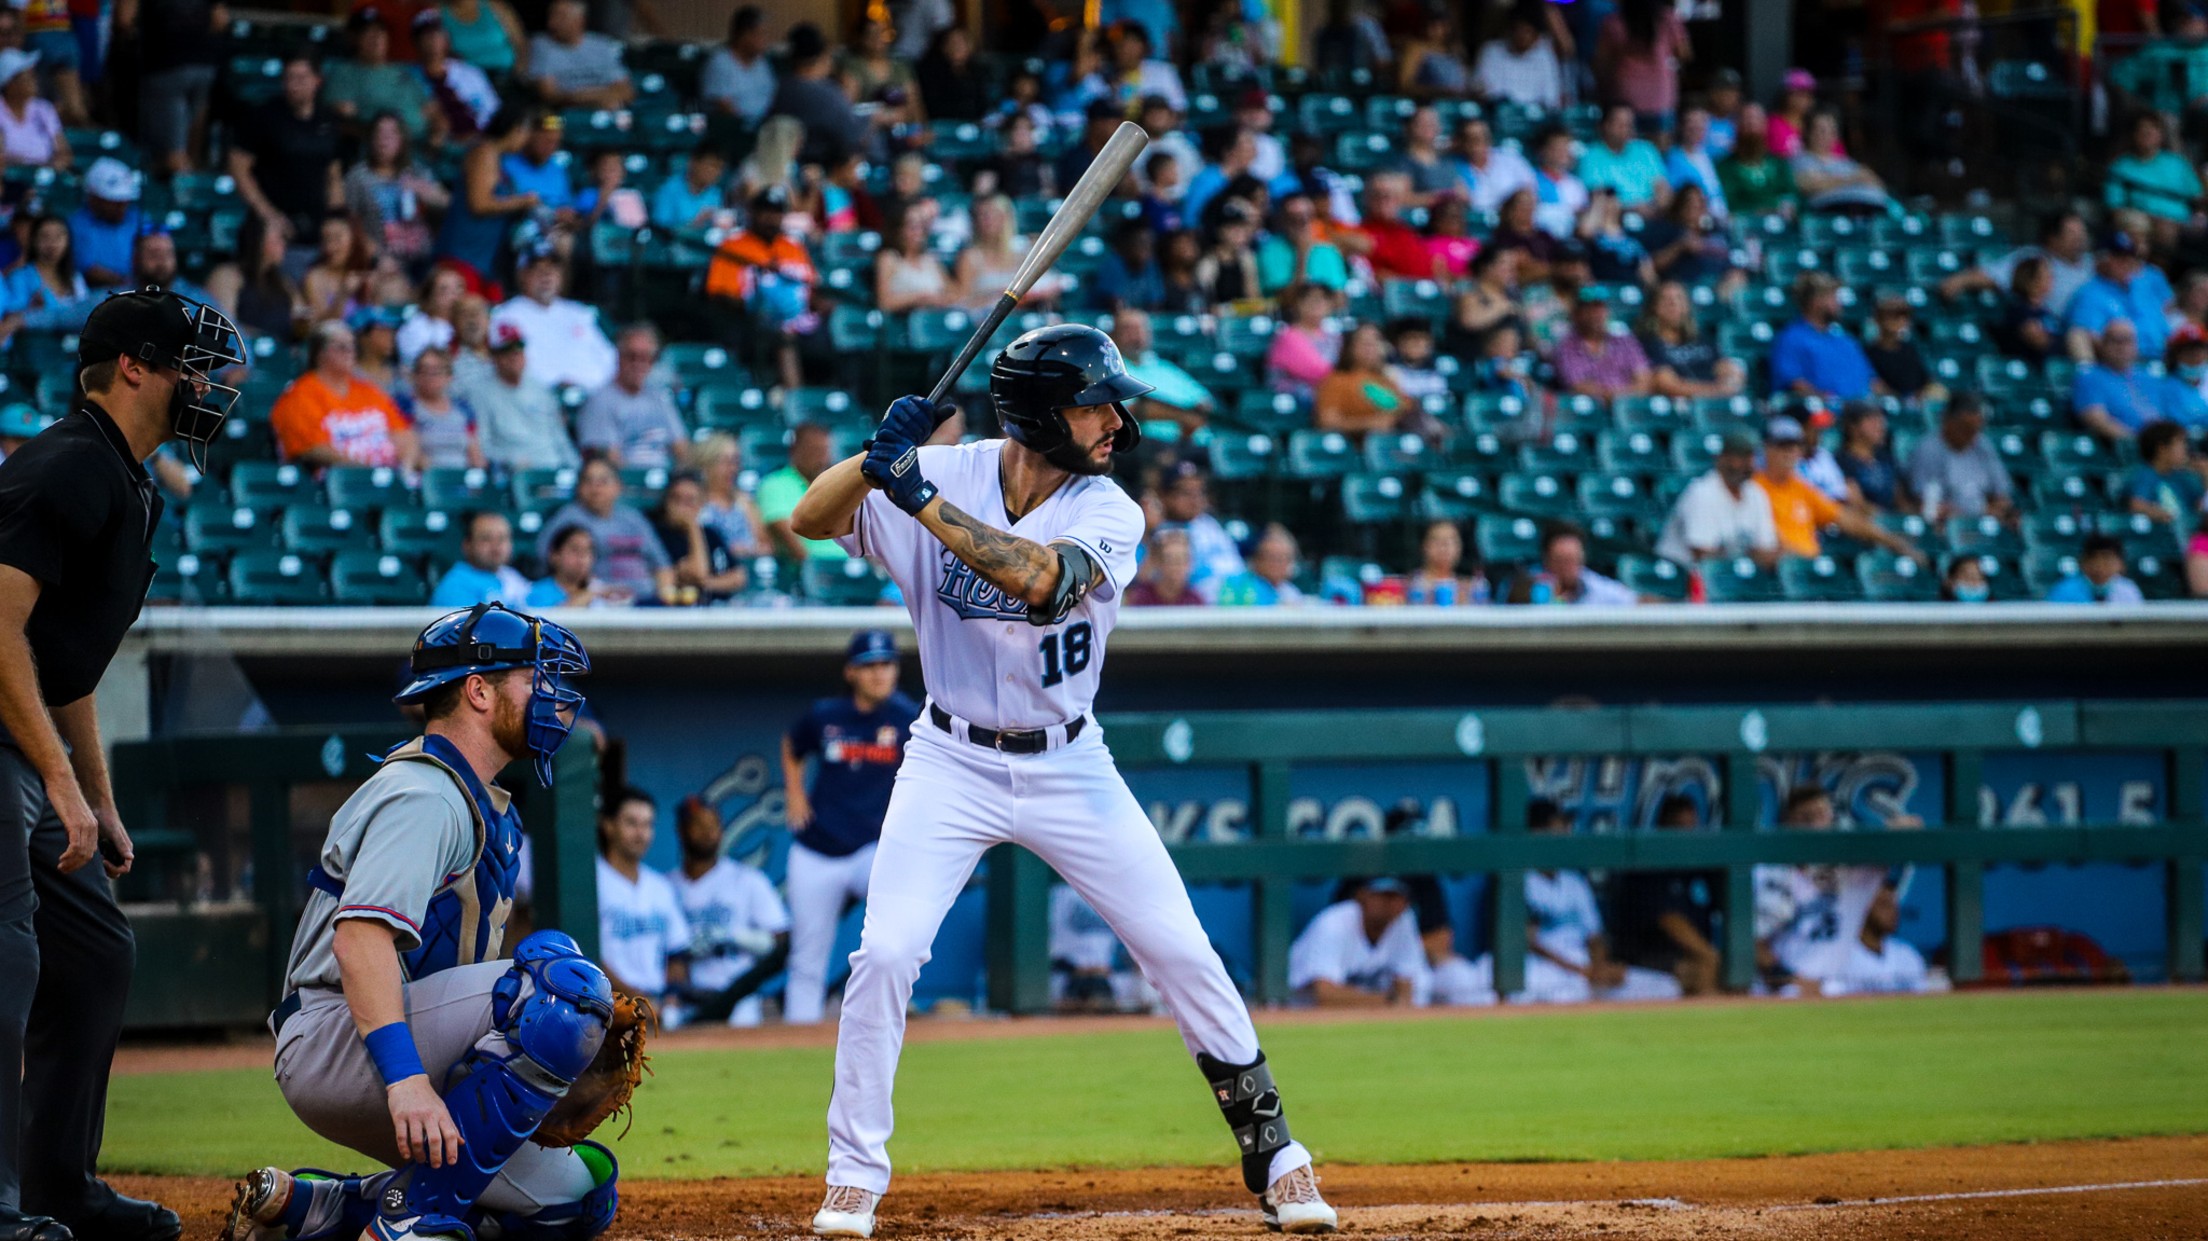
(953, 800)
(819, 889)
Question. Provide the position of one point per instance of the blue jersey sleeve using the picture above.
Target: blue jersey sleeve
(804, 735)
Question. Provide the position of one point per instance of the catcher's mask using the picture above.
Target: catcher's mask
(490, 637)
(163, 329)
(1052, 369)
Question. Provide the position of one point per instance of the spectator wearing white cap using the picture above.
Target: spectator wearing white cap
(566, 345)
(107, 224)
(30, 128)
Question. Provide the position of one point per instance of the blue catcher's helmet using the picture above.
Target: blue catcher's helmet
(491, 637)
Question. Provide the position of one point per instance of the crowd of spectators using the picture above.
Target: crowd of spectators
(1565, 217)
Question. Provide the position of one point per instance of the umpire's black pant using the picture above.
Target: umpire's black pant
(65, 962)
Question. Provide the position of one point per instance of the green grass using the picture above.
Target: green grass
(1652, 1083)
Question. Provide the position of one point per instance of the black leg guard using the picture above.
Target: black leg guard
(1251, 1103)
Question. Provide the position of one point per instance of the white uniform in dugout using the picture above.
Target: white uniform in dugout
(1051, 788)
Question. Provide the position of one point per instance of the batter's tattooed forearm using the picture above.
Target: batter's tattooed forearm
(1021, 568)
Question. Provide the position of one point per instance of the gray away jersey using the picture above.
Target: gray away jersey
(394, 844)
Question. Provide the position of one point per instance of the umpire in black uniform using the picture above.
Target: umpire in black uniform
(77, 513)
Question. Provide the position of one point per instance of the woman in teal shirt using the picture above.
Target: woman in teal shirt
(2151, 178)
(1295, 232)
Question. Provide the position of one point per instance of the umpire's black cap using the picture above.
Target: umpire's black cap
(153, 326)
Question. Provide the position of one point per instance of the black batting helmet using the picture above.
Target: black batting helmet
(1052, 369)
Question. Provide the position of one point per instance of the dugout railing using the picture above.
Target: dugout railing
(1269, 745)
(220, 963)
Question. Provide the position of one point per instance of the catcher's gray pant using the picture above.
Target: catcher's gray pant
(325, 1073)
(65, 962)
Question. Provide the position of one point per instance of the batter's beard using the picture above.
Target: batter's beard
(1093, 467)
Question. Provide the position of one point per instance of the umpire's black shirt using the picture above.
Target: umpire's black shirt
(77, 511)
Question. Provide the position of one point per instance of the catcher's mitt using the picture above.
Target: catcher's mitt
(603, 1091)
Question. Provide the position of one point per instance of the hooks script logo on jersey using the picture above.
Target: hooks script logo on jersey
(974, 597)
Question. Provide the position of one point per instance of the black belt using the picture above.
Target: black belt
(284, 1012)
(1008, 741)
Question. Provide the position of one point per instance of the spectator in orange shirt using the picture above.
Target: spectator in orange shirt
(1799, 510)
(331, 416)
(768, 274)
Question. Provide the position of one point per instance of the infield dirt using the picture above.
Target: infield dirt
(2056, 1191)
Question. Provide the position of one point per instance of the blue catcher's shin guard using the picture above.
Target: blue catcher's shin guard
(548, 1015)
(566, 1221)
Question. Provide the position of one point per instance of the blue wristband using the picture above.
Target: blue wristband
(392, 1048)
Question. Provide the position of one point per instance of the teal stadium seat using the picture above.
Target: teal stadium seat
(313, 530)
(221, 529)
(366, 487)
(1739, 580)
(431, 535)
(278, 579)
(1653, 576)
(375, 579)
(843, 583)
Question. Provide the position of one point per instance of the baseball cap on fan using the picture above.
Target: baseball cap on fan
(111, 179)
(871, 646)
(505, 336)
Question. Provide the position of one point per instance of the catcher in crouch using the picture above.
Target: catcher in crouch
(402, 1034)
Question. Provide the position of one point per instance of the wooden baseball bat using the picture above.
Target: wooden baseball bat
(1106, 171)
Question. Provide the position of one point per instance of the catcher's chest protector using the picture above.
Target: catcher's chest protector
(466, 920)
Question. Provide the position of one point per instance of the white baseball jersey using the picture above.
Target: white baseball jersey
(1899, 968)
(640, 925)
(1810, 914)
(1333, 947)
(1561, 906)
(720, 906)
(979, 657)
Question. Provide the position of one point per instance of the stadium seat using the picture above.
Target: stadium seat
(431, 535)
(1817, 579)
(1397, 453)
(1739, 580)
(2065, 491)
(1725, 413)
(1320, 454)
(459, 488)
(241, 439)
(266, 485)
(1618, 497)
(274, 579)
(1504, 539)
(2045, 566)
(222, 529)
(1653, 576)
(188, 579)
(1487, 411)
(642, 485)
(2060, 530)
(1238, 457)
(843, 583)
(855, 331)
(1982, 536)
(1563, 453)
(1536, 493)
(1278, 412)
(375, 579)
(1246, 336)
(1649, 413)
(829, 406)
(1374, 499)
(1887, 577)
(313, 530)
(542, 490)
(1581, 414)
(2071, 451)
(1458, 496)
(730, 407)
(366, 487)
(1694, 452)
(1631, 452)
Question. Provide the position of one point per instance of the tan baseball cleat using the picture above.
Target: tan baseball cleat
(1293, 1204)
(257, 1207)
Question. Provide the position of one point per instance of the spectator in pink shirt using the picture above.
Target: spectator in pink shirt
(1449, 237)
(1797, 99)
(1305, 345)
